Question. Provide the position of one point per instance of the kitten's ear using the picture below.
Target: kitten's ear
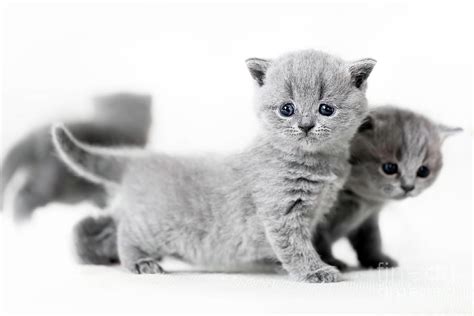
(360, 71)
(258, 68)
(367, 124)
(446, 131)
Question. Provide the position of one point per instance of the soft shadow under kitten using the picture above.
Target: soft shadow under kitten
(255, 206)
(396, 154)
(119, 119)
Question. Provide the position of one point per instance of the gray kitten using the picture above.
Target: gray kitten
(396, 154)
(119, 119)
(256, 206)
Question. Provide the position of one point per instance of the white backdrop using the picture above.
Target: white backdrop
(190, 57)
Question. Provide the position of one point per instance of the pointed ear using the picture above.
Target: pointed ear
(446, 131)
(367, 124)
(258, 68)
(360, 71)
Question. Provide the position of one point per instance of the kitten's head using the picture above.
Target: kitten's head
(396, 154)
(310, 100)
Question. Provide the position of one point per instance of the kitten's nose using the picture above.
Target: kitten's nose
(408, 188)
(306, 128)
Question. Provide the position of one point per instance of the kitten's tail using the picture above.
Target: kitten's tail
(97, 164)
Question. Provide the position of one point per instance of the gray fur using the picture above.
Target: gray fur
(392, 135)
(255, 206)
(120, 119)
(95, 240)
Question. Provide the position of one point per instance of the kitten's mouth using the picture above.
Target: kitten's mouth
(399, 197)
(409, 194)
(307, 138)
(307, 141)
(402, 196)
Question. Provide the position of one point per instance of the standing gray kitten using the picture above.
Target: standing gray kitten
(259, 205)
(396, 154)
(119, 119)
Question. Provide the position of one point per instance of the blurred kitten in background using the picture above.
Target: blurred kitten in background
(121, 119)
(396, 154)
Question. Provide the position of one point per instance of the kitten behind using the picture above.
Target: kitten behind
(120, 119)
(396, 154)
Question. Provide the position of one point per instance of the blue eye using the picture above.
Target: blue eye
(390, 168)
(326, 110)
(423, 172)
(287, 110)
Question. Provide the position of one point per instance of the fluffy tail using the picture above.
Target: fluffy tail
(95, 240)
(20, 155)
(96, 164)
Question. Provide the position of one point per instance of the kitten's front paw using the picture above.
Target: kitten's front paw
(325, 274)
(339, 264)
(379, 262)
(147, 266)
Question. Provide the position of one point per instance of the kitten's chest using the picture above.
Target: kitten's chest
(308, 179)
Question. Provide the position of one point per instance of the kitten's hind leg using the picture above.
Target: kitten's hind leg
(40, 188)
(339, 264)
(322, 243)
(29, 198)
(367, 242)
(95, 240)
(135, 259)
